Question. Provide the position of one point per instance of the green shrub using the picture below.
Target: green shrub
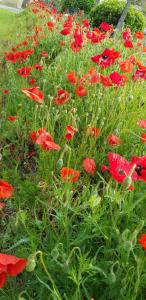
(75, 5)
(110, 11)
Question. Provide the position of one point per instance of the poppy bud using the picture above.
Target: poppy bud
(31, 263)
(127, 182)
(59, 163)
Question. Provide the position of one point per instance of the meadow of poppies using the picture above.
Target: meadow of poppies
(73, 161)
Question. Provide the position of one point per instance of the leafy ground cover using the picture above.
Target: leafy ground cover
(72, 164)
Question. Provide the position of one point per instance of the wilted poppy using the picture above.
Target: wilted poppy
(6, 190)
(70, 131)
(34, 135)
(34, 93)
(89, 165)
(93, 131)
(69, 174)
(44, 139)
(62, 97)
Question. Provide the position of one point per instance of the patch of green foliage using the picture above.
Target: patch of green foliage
(110, 11)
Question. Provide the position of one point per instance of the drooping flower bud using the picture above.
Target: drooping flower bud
(127, 183)
(31, 263)
(59, 163)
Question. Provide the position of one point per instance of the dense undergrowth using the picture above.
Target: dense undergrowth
(68, 108)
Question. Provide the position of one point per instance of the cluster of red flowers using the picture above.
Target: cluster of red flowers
(76, 35)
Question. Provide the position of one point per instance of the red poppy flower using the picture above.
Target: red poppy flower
(6, 190)
(72, 77)
(126, 66)
(106, 27)
(105, 80)
(96, 36)
(44, 54)
(120, 168)
(34, 93)
(106, 58)
(113, 140)
(38, 67)
(139, 74)
(139, 35)
(75, 47)
(94, 79)
(81, 91)
(69, 174)
(126, 34)
(140, 166)
(62, 97)
(24, 72)
(78, 37)
(50, 25)
(70, 132)
(10, 57)
(65, 31)
(10, 265)
(142, 240)
(128, 44)
(12, 118)
(142, 123)
(31, 81)
(93, 131)
(89, 165)
(6, 91)
(143, 138)
(85, 23)
(117, 79)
